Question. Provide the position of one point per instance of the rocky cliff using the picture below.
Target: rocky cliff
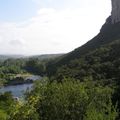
(115, 14)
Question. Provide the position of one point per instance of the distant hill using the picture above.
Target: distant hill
(40, 57)
(46, 56)
(4, 57)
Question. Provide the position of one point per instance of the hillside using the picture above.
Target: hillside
(101, 64)
(108, 33)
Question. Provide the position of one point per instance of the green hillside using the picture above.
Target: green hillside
(108, 33)
(100, 64)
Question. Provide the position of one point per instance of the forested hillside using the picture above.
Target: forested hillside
(81, 85)
(100, 64)
(108, 33)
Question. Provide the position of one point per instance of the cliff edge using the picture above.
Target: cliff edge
(115, 14)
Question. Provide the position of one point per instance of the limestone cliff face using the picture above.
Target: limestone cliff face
(115, 14)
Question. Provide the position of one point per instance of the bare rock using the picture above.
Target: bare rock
(115, 14)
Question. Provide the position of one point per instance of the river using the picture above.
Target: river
(19, 90)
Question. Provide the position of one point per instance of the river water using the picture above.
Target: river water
(19, 90)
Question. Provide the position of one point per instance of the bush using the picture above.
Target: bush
(69, 100)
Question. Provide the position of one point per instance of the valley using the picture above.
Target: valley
(83, 84)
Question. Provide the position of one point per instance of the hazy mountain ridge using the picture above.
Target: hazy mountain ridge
(4, 57)
(40, 57)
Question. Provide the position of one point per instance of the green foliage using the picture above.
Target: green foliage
(23, 111)
(69, 100)
(101, 64)
(101, 110)
(9, 68)
(35, 66)
(3, 115)
(6, 100)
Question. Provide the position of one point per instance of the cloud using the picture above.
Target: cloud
(53, 30)
(60, 4)
(17, 43)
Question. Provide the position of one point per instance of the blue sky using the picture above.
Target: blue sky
(20, 10)
(49, 26)
(17, 10)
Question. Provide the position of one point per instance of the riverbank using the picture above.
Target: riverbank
(18, 87)
(20, 79)
(16, 90)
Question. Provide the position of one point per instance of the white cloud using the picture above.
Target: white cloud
(53, 30)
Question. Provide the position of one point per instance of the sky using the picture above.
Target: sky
(32, 27)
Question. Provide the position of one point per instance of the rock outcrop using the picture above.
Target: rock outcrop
(115, 14)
